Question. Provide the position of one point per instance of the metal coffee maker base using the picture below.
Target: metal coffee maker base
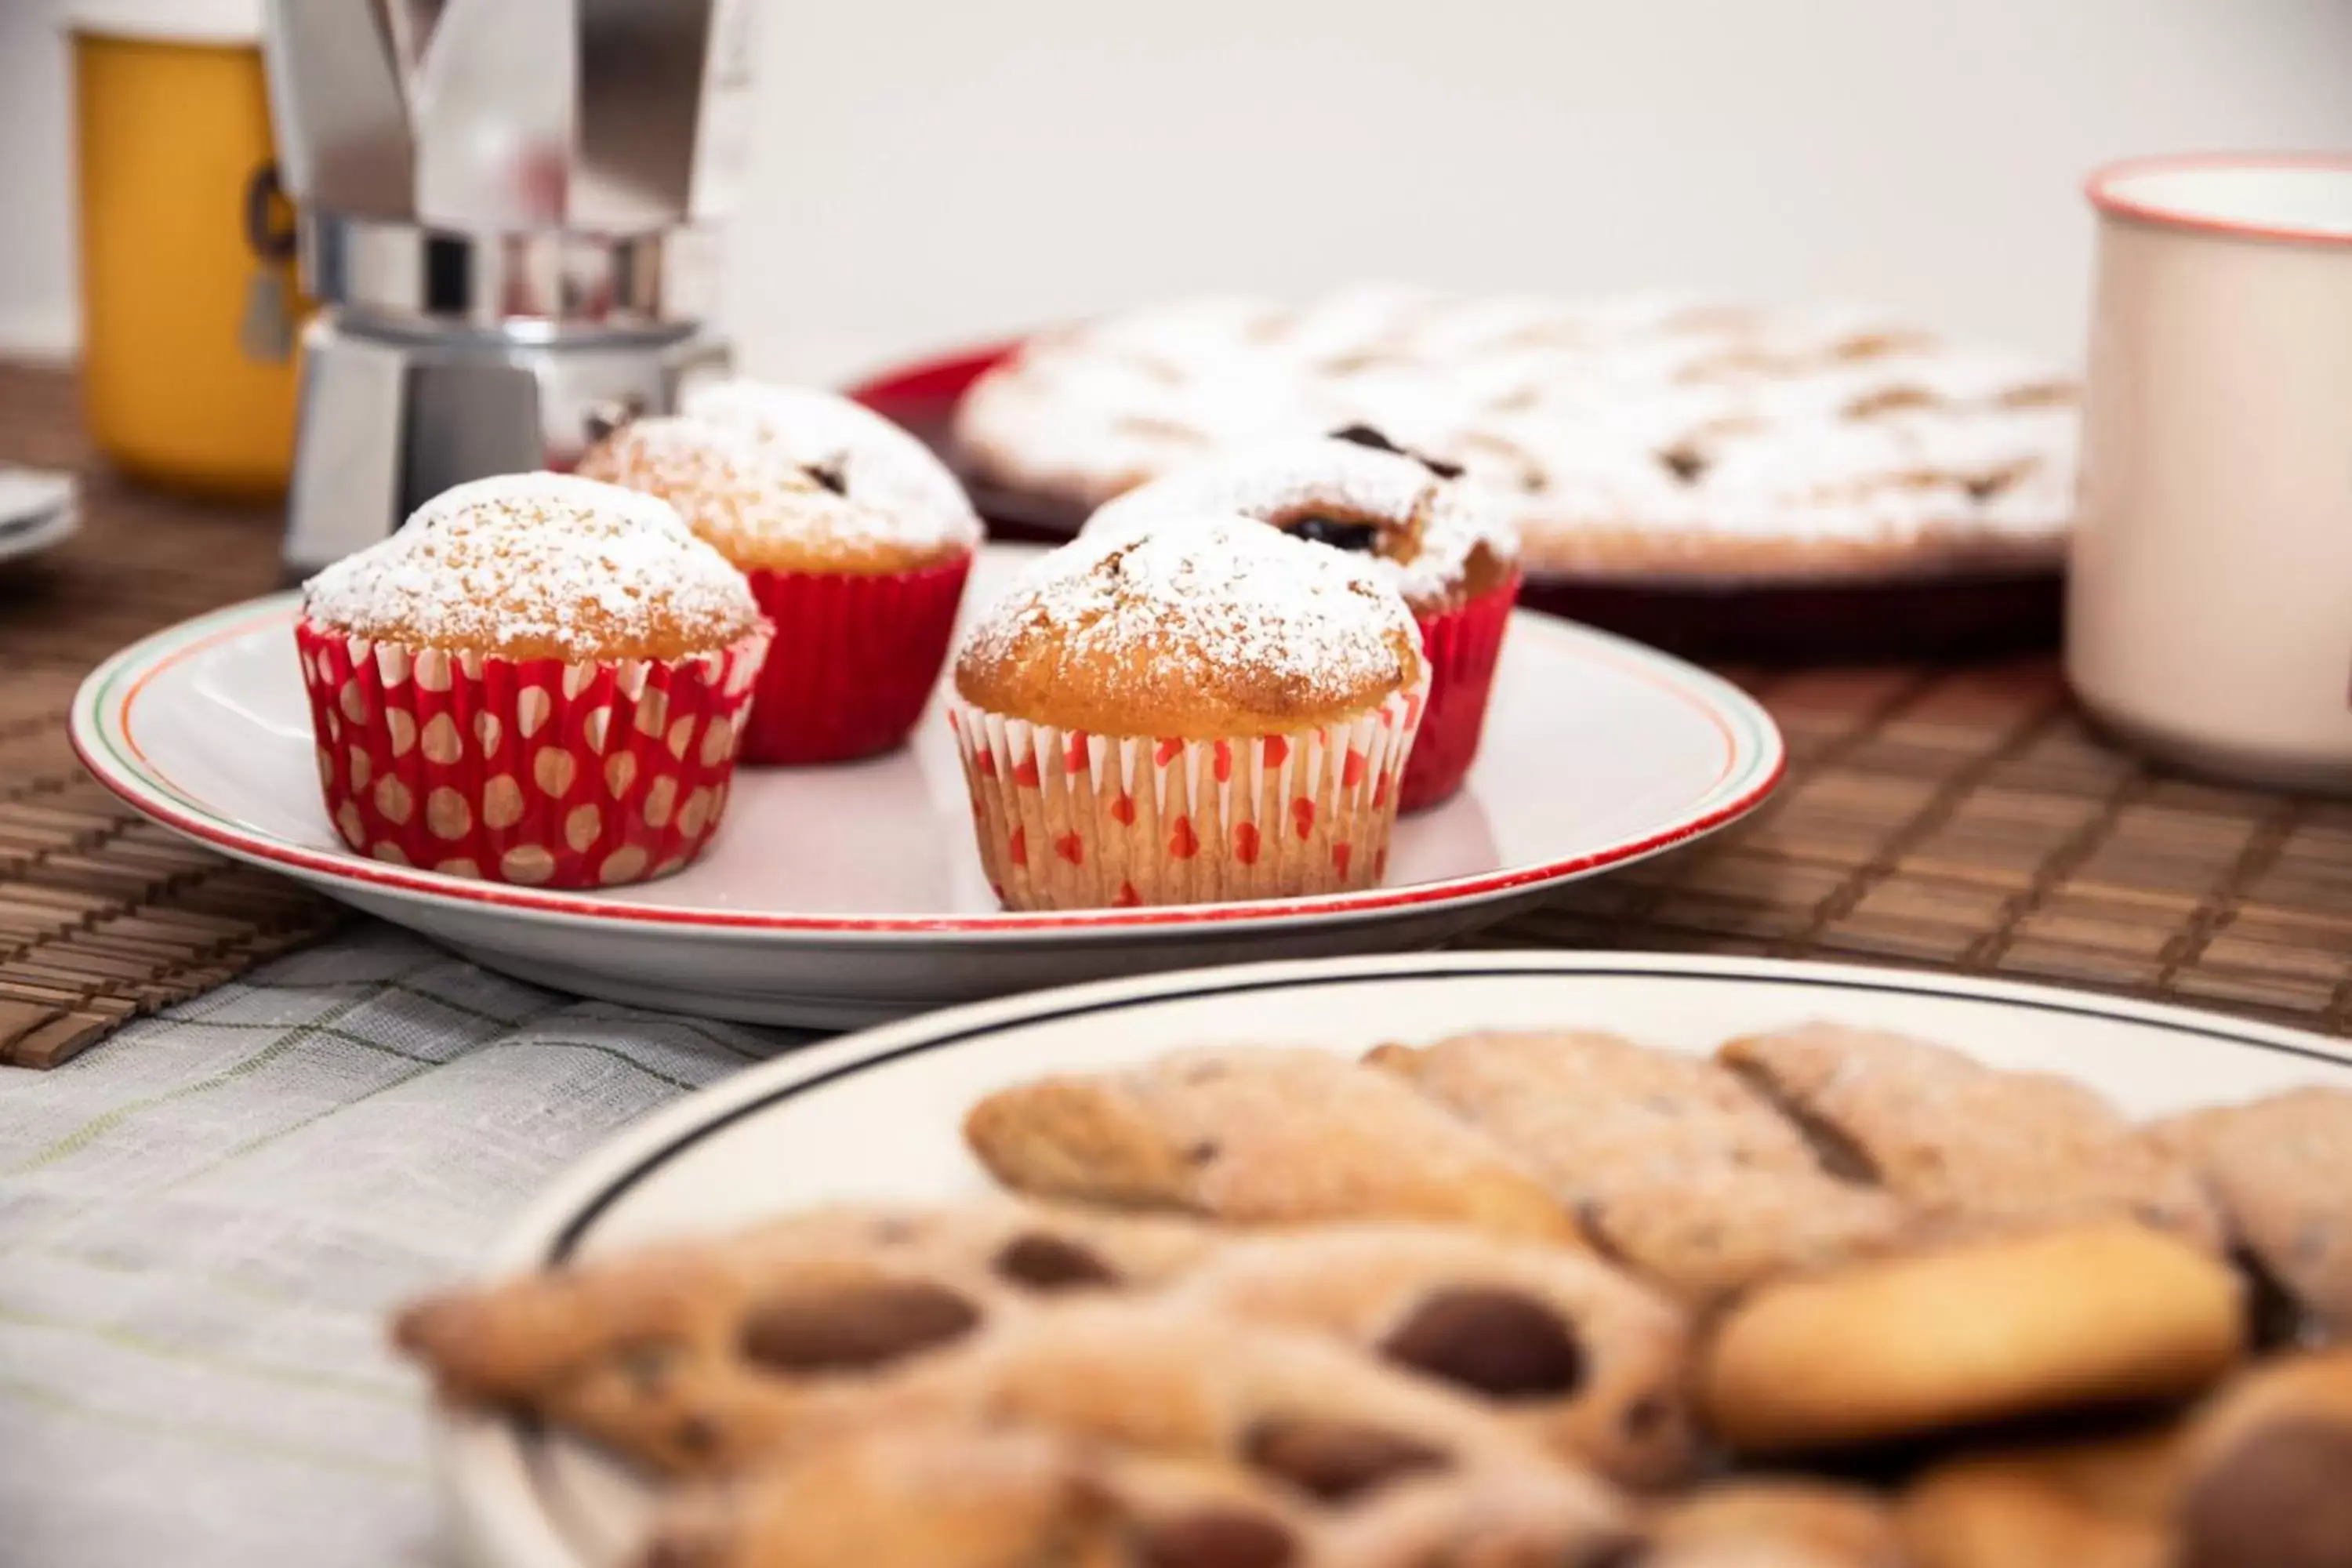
(506, 209)
(390, 418)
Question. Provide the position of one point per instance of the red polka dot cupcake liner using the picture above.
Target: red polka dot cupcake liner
(1069, 820)
(534, 772)
(854, 661)
(1462, 646)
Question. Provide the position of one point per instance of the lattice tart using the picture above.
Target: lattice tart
(1646, 438)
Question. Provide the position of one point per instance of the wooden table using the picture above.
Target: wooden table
(1955, 817)
(102, 915)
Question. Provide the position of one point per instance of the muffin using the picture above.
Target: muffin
(864, 601)
(1207, 712)
(855, 539)
(539, 679)
(1448, 548)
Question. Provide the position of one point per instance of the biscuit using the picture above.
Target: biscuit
(2266, 1470)
(1974, 1332)
(1257, 1135)
(1587, 1360)
(2281, 1168)
(2130, 1472)
(2101, 1501)
(1670, 1161)
(1769, 1522)
(1962, 1518)
(695, 1357)
(1970, 1148)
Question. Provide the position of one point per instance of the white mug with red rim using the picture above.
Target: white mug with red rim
(2209, 604)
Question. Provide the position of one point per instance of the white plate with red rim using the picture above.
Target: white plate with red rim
(876, 1117)
(841, 896)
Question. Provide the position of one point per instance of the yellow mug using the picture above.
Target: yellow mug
(190, 315)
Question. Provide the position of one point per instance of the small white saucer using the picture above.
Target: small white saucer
(38, 510)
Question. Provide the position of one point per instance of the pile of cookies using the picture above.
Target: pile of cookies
(1654, 438)
(1829, 1300)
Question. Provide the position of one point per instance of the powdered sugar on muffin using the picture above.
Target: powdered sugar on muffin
(761, 508)
(1239, 616)
(536, 566)
(864, 457)
(1436, 535)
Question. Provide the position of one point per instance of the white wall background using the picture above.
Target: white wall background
(936, 169)
(37, 288)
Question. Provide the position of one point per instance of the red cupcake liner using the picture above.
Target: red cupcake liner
(1066, 819)
(1462, 646)
(854, 661)
(535, 771)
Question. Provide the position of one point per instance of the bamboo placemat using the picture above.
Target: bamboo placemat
(1967, 820)
(104, 916)
(1953, 819)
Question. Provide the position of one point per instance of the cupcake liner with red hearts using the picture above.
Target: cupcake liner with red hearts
(534, 772)
(1462, 646)
(854, 661)
(1069, 820)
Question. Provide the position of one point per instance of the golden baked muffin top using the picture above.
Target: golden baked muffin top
(1206, 628)
(1438, 541)
(866, 459)
(528, 566)
(765, 511)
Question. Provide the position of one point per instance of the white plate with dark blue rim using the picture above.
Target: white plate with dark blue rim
(841, 896)
(876, 1117)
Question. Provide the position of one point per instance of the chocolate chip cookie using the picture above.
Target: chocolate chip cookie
(1305, 1414)
(958, 1497)
(696, 1357)
(1256, 1136)
(1034, 1247)
(1561, 1342)
(1969, 1147)
(2281, 1168)
(915, 1498)
(1672, 1163)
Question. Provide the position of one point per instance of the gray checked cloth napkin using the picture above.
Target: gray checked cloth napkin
(203, 1222)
